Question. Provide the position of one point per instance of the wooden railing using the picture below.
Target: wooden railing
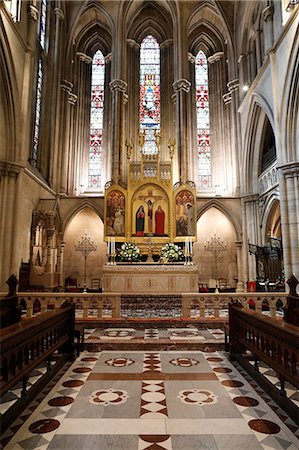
(27, 344)
(273, 341)
(114, 305)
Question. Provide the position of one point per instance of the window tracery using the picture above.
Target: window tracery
(96, 121)
(149, 106)
(203, 121)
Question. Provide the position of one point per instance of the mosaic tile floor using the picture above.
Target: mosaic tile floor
(163, 335)
(153, 400)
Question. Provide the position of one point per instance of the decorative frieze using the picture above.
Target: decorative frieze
(181, 85)
(118, 85)
(268, 179)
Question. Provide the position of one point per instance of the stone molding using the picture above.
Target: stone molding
(174, 99)
(133, 44)
(32, 12)
(181, 85)
(233, 85)
(84, 58)
(267, 13)
(125, 98)
(227, 98)
(289, 169)
(66, 85)
(250, 198)
(191, 58)
(144, 267)
(10, 168)
(108, 58)
(166, 44)
(118, 85)
(72, 98)
(59, 13)
(216, 57)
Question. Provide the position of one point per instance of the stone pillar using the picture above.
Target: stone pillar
(50, 234)
(60, 263)
(118, 89)
(55, 99)
(289, 210)
(107, 157)
(66, 157)
(132, 129)
(240, 283)
(167, 110)
(267, 15)
(233, 89)
(252, 231)
(182, 88)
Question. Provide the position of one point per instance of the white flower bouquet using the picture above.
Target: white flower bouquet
(129, 252)
(171, 253)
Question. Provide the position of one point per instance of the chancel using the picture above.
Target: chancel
(149, 235)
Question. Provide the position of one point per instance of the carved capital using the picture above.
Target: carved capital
(59, 13)
(108, 58)
(233, 85)
(133, 44)
(9, 168)
(166, 44)
(84, 58)
(227, 98)
(72, 98)
(66, 85)
(181, 85)
(216, 57)
(118, 85)
(32, 12)
(191, 58)
(267, 13)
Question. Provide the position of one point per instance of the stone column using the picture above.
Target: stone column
(50, 234)
(192, 129)
(267, 15)
(182, 88)
(289, 210)
(233, 89)
(167, 110)
(107, 157)
(60, 263)
(55, 99)
(118, 89)
(240, 283)
(132, 129)
(66, 87)
(251, 223)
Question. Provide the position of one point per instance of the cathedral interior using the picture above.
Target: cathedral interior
(149, 174)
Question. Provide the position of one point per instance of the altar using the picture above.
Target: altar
(144, 278)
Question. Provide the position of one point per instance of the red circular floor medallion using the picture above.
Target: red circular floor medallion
(44, 426)
(264, 426)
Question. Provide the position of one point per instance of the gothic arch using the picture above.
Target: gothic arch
(214, 203)
(272, 202)
(259, 112)
(290, 106)
(9, 103)
(85, 203)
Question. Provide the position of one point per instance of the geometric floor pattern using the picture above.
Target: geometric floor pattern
(171, 335)
(175, 400)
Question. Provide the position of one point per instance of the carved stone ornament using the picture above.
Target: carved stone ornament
(66, 85)
(133, 44)
(59, 13)
(84, 58)
(181, 85)
(267, 13)
(233, 85)
(166, 44)
(118, 85)
(227, 98)
(216, 57)
(108, 58)
(72, 98)
(191, 58)
(32, 12)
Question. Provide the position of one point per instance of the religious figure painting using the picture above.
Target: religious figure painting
(115, 214)
(185, 214)
(150, 211)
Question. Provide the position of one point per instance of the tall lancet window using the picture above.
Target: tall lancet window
(149, 108)
(203, 121)
(39, 82)
(96, 121)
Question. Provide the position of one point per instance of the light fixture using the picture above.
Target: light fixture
(245, 88)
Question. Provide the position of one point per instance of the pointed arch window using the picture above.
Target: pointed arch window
(96, 121)
(203, 121)
(39, 82)
(149, 106)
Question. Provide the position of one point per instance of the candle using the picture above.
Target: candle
(109, 245)
(186, 247)
(191, 247)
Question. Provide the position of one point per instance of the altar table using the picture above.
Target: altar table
(144, 278)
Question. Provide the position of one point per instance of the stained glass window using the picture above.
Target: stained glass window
(96, 121)
(42, 33)
(14, 7)
(38, 103)
(149, 107)
(203, 121)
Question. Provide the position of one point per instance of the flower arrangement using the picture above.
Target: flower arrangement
(172, 253)
(129, 252)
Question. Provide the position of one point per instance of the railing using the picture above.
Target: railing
(186, 305)
(28, 343)
(273, 341)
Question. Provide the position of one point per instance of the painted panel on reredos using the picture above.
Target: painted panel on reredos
(115, 214)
